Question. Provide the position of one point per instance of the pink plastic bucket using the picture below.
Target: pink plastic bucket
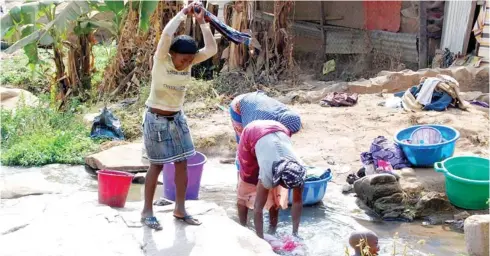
(113, 187)
(195, 167)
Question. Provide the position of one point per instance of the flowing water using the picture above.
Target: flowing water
(325, 228)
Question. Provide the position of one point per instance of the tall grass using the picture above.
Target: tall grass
(42, 135)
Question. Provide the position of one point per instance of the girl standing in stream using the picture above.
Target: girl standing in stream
(167, 137)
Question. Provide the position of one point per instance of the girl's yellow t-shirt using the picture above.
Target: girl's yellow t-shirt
(168, 85)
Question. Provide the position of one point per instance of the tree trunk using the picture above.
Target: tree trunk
(134, 57)
(86, 61)
(62, 81)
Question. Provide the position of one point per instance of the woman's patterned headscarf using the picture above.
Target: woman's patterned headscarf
(289, 171)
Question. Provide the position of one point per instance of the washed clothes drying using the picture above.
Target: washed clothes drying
(445, 94)
(339, 99)
(440, 100)
(424, 96)
(383, 149)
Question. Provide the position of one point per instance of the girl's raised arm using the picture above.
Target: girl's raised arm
(169, 31)
(210, 46)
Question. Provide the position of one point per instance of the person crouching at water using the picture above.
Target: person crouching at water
(364, 243)
(249, 107)
(268, 168)
(166, 134)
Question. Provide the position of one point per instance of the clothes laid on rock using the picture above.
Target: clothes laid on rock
(385, 150)
(443, 92)
(339, 99)
(424, 96)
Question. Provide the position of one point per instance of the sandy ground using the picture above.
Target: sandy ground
(335, 137)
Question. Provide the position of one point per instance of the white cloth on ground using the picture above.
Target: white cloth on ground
(425, 94)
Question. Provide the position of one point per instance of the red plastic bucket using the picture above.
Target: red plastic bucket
(113, 187)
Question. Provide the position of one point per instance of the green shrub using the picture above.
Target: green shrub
(42, 135)
(17, 73)
(103, 55)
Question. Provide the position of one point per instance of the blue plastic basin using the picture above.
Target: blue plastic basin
(427, 155)
(313, 192)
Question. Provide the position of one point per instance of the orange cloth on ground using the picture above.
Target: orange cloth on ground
(246, 194)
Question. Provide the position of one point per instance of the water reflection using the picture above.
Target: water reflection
(325, 227)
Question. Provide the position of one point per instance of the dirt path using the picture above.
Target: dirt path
(335, 137)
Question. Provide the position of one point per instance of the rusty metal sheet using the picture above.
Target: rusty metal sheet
(341, 40)
(347, 41)
(397, 45)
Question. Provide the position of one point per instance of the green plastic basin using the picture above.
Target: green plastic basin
(467, 181)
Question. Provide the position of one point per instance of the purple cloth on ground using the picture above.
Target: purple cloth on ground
(382, 149)
(479, 103)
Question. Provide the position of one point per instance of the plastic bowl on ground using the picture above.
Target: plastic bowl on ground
(113, 187)
(313, 192)
(467, 181)
(195, 166)
(426, 155)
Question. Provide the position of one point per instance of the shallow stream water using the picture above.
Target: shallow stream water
(324, 227)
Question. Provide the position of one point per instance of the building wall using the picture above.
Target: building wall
(351, 12)
(457, 25)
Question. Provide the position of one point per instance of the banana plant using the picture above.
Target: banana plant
(43, 22)
(145, 10)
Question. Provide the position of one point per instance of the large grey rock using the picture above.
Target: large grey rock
(373, 187)
(12, 98)
(25, 184)
(75, 224)
(476, 234)
(383, 194)
(433, 203)
(122, 158)
(475, 95)
(469, 78)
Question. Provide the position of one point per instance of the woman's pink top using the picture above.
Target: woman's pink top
(253, 132)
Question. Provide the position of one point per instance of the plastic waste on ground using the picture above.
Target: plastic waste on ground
(328, 67)
(106, 126)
